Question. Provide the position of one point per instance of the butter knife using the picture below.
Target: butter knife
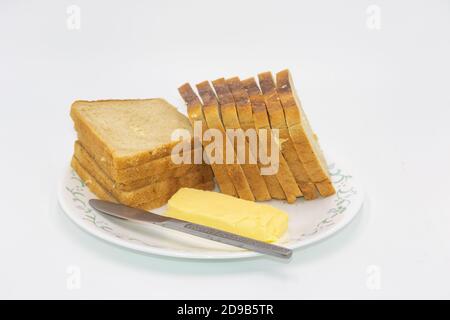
(138, 215)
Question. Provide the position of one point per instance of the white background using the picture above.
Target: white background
(377, 97)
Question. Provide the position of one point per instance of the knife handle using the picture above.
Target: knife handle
(228, 238)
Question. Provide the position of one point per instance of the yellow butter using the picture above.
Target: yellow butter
(246, 218)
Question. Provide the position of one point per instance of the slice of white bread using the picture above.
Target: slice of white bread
(284, 174)
(278, 121)
(96, 188)
(245, 114)
(304, 139)
(230, 120)
(148, 192)
(212, 116)
(150, 172)
(195, 113)
(128, 133)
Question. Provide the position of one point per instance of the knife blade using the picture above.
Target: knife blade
(138, 215)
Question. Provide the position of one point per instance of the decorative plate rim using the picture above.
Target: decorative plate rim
(324, 229)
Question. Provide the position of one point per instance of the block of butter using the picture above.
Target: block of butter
(246, 218)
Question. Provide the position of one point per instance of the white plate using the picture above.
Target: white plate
(309, 221)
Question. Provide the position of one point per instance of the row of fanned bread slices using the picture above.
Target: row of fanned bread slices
(234, 104)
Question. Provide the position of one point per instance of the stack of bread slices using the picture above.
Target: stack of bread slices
(273, 104)
(124, 147)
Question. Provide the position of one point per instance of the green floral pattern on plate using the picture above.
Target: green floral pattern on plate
(345, 193)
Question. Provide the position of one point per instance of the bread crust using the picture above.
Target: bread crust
(277, 120)
(243, 104)
(96, 188)
(230, 120)
(304, 140)
(89, 162)
(195, 113)
(245, 113)
(212, 116)
(148, 174)
(148, 192)
(261, 119)
(128, 176)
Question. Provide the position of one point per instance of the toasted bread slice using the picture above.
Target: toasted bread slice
(278, 121)
(230, 120)
(92, 166)
(212, 116)
(84, 156)
(129, 132)
(100, 191)
(304, 139)
(129, 175)
(245, 115)
(195, 113)
(147, 192)
(284, 174)
(243, 104)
